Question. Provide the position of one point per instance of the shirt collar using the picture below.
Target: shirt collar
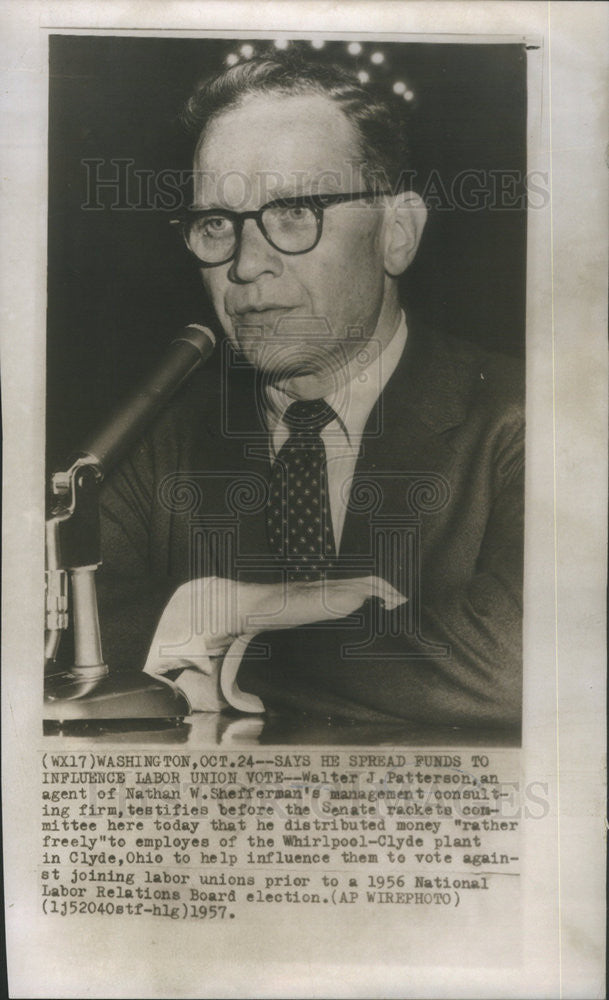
(353, 399)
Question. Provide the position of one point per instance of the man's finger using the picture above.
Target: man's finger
(385, 591)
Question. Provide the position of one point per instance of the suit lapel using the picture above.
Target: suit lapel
(407, 435)
(248, 446)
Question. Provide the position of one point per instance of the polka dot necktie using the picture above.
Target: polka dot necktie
(298, 518)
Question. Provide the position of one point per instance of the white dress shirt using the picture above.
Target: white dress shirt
(352, 401)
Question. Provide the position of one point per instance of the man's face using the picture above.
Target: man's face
(293, 315)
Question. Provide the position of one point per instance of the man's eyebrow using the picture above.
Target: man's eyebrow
(266, 196)
(279, 194)
(210, 208)
(292, 191)
(288, 191)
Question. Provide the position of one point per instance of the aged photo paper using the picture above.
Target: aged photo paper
(304, 378)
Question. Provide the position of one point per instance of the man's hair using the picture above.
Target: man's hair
(377, 119)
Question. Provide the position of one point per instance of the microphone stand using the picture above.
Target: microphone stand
(87, 692)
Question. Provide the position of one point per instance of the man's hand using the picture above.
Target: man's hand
(287, 605)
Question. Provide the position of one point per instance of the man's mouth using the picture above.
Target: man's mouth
(260, 315)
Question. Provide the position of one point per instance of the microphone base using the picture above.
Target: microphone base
(123, 698)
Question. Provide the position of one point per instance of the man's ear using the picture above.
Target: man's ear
(405, 220)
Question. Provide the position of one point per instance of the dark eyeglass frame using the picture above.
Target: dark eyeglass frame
(316, 202)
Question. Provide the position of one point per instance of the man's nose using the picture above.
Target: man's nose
(254, 256)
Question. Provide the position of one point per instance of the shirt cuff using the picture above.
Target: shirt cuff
(174, 647)
(236, 698)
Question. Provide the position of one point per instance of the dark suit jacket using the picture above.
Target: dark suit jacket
(436, 507)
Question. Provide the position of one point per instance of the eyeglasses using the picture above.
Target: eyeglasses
(290, 225)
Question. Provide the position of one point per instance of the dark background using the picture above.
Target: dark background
(120, 282)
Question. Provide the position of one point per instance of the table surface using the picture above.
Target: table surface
(224, 729)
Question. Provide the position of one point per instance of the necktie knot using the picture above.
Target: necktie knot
(308, 416)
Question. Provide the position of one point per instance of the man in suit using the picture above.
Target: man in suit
(328, 520)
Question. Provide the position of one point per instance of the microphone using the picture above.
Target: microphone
(190, 349)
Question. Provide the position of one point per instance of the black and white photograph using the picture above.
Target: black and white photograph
(324, 525)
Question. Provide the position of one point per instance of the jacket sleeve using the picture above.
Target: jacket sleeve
(462, 666)
(131, 598)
